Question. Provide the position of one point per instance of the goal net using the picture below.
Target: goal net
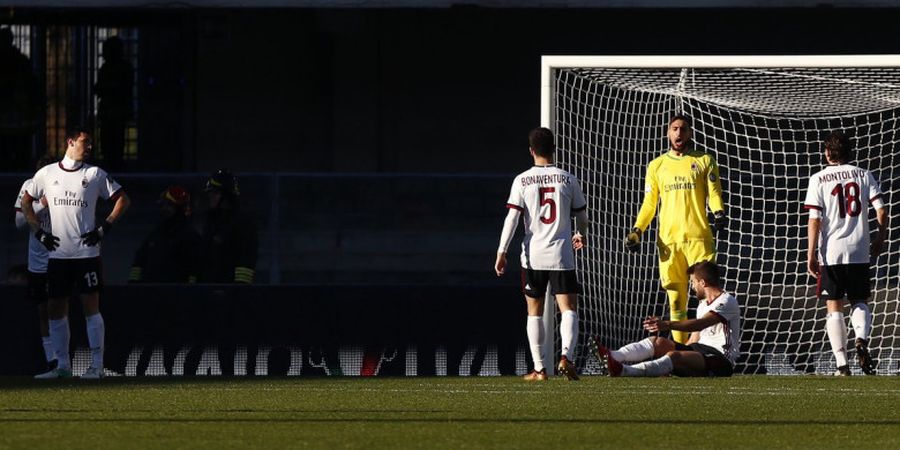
(763, 118)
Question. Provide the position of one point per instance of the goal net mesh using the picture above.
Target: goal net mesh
(765, 128)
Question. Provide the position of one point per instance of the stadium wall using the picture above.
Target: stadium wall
(156, 330)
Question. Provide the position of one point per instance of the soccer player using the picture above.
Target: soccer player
(839, 228)
(72, 188)
(548, 197)
(37, 263)
(712, 350)
(682, 181)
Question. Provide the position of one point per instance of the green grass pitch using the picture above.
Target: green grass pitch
(483, 412)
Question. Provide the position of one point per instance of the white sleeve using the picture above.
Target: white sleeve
(875, 195)
(509, 229)
(20, 216)
(109, 187)
(813, 202)
(36, 188)
(515, 200)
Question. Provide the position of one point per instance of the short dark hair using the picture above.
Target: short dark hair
(707, 271)
(837, 146)
(541, 141)
(76, 130)
(681, 117)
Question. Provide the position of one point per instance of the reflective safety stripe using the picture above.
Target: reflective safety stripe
(243, 274)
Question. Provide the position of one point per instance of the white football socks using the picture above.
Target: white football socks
(535, 329)
(634, 352)
(47, 343)
(568, 333)
(837, 335)
(59, 335)
(95, 332)
(861, 319)
(653, 368)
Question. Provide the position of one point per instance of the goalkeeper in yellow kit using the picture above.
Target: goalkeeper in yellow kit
(682, 181)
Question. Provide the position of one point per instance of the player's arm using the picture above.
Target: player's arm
(813, 204)
(119, 208)
(882, 218)
(656, 325)
(648, 209)
(812, 243)
(29, 213)
(581, 226)
(714, 190)
(509, 230)
(122, 202)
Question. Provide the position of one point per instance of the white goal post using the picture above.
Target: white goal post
(763, 118)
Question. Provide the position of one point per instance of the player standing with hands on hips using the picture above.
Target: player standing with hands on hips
(72, 188)
(548, 197)
(681, 181)
(839, 228)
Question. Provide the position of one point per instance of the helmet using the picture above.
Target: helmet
(176, 195)
(224, 181)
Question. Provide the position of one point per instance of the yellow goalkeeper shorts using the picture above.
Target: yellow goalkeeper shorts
(674, 260)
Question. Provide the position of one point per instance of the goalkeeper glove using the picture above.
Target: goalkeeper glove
(633, 240)
(92, 238)
(47, 240)
(719, 221)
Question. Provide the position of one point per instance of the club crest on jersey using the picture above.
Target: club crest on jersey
(712, 177)
(694, 167)
(84, 182)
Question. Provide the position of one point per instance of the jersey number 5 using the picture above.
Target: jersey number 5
(547, 199)
(848, 199)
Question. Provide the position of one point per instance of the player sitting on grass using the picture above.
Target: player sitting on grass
(711, 350)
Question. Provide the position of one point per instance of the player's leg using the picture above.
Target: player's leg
(858, 294)
(830, 289)
(89, 287)
(674, 279)
(641, 350)
(687, 363)
(37, 293)
(534, 286)
(58, 289)
(565, 288)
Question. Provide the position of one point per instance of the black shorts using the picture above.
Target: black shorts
(37, 287)
(717, 365)
(68, 277)
(534, 282)
(839, 280)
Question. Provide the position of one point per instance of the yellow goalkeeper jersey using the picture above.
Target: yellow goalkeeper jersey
(681, 186)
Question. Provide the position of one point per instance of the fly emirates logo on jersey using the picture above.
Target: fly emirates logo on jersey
(69, 198)
(681, 184)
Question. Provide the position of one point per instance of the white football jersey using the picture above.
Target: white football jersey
(72, 196)
(547, 197)
(840, 196)
(724, 336)
(37, 253)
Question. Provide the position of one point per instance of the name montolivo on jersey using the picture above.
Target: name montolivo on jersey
(552, 178)
(843, 175)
